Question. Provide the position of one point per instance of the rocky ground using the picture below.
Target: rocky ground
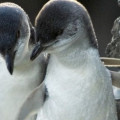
(113, 50)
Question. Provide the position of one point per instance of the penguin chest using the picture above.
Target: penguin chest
(14, 90)
(79, 94)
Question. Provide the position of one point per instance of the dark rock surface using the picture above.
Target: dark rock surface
(113, 50)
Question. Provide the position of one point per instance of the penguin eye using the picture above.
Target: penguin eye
(18, 34)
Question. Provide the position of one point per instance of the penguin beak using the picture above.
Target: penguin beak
(39, 48)
(36, 51)
(9, 59)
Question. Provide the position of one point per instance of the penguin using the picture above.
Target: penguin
(18, 75)
(78, 85)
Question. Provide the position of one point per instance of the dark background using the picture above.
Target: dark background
(102, 12)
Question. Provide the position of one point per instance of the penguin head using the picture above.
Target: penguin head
(61, 23)
(15, 31)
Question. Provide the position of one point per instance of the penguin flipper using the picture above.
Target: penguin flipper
(32, 104)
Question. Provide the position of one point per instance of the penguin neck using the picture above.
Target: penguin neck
(77, 54)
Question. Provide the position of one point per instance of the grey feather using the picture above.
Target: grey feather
(17, 39)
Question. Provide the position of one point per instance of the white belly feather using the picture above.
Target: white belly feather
(14, 89)
(83, 93)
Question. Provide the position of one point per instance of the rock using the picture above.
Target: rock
(113, 50)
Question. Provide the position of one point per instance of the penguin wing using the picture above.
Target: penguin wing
(36, 98)
(43, 62)
(33, 103)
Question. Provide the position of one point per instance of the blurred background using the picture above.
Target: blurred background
(102, 12)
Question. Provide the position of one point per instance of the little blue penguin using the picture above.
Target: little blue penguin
(21, 76)
(78, 85)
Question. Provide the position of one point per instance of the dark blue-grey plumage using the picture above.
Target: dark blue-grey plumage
(16, 44)
(74, 62)
(10, 22)
(50, 25)
(11, 29)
